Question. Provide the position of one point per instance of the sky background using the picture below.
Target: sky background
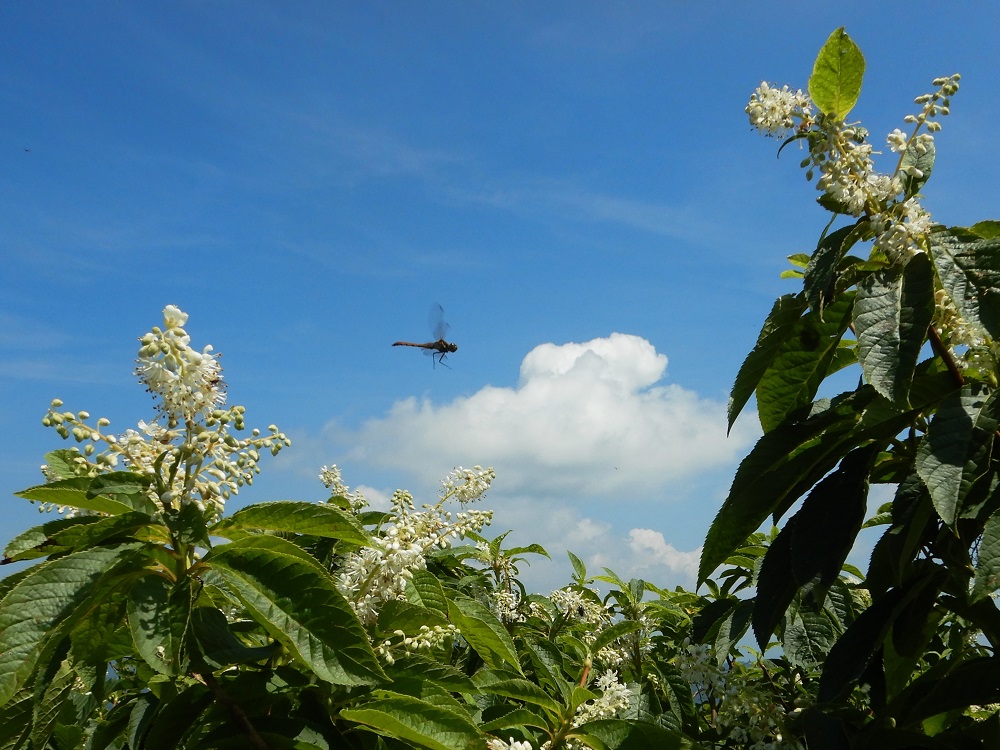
(576, 183)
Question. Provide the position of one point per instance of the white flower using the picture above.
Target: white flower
(897, 141)
(773, 111)
(188, 383)
(467, 485)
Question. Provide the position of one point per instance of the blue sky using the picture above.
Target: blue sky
(576, 184)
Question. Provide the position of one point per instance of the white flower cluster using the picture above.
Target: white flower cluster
(330, 477)
(188, 383)
(774, 111)
(498, 744)
(574, 606)
(615, 698)
(840, 153)
(195, 458)
(506, 606)
(378, 573)
(426, 639)
(467, 485)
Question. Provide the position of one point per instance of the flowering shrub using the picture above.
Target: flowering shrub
(155, 620)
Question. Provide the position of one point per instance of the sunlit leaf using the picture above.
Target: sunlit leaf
(315, 519)
(298, 604)
(416, 722)
(835, 83)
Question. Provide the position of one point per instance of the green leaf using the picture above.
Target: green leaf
(426, 590)
(74, 493)
(821, 271)
(522, 690)
(519, 717)
(484, 632)
(986, 229)
(969, 269)
(835, 83)
(40, 602)
(218, 644)
(315, 519)
(15, 721)
(784, 464)
(125, 487)
(956, 450)
(924, 162)
(46, 711)
(892, 312)
(618, 734)
(158, 615)
(297, 603)
(37, 541)
(579, 568)
(802, 362)
(778, 328)
(412, 668)
(400, 615)
(988, 561)
(416, 722)
(613, 633)
(807, 635)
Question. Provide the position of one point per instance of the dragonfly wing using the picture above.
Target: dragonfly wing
(439, 328)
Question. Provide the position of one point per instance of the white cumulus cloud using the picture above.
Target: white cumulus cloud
(586, 419)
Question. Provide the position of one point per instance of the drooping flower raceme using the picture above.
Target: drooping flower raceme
(195, 458)
(775, 111)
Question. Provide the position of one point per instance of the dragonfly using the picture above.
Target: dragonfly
(438, 349)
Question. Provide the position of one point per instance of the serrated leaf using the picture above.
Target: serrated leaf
(40, 602)
(298, 604)
(415, 721)
(892, 312)
(426, 590)
(618, 734)
(987, 578)
(315, 519)
(785, 463)
(969, 269)
(73, 493)
(779, 326)
(37, 541)
(835, 83)
(519, 717)
(15, 721)
(807, 636)
(732, 629)
(425, 669)
(802, 362)
(955, 452)
(484, 632)
(525, 691)
(158, 615)
(46, 710)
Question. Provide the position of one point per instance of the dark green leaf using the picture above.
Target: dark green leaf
(618, 734)
(158, 615)
(835, 83)
(956, 450)
(969, 269)
(484, 632)
(613, 632)
(802, 362)
(426, 590)
(785, 463)
(42, 600)
(988, 561)
(416, 722)
(892, 311)
(807, 635)
(298, 604)
(519, 717)
(780, 325)
(821, 271)
(218, 644)
(523, 690)
(74, 493)
(315, 519)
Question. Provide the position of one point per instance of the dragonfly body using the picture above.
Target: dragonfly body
(440, 346)
(438, 349)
